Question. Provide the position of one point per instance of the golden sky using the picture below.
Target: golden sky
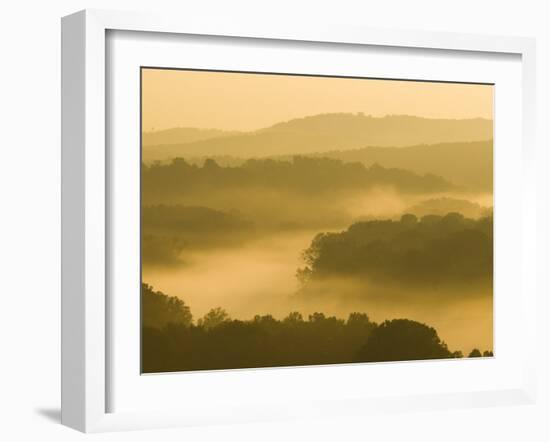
(242, 101)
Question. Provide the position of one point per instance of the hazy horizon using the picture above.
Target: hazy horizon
(259, 129)
(230, 101)
(274, 207)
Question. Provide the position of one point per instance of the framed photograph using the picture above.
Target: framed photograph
(266, 222)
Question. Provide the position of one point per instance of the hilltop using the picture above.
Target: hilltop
(318, 133)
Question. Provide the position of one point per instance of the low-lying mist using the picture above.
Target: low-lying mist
(259, 277)
(240, 247)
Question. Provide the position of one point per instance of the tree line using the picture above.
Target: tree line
(431, 251)
(298, 174)
(173, 341)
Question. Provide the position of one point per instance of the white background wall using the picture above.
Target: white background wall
(30, 219)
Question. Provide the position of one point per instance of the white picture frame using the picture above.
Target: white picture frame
(86, 357)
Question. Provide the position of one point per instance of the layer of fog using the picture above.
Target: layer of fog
(388, 203)
(259, 278)
(281, 209)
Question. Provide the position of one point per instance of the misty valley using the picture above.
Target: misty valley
(335, 238)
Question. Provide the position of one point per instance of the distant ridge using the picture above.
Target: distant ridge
(317, 133)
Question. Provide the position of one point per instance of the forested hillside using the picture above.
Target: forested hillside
(172, 341)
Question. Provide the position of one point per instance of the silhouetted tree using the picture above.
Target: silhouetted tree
(210, 164)
(159, 309)
(475, 353)
(401, 340)
(214, 318)
(409, 219)
(294, 318)
(356, 319)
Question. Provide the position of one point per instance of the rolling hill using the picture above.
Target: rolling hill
(326, 132)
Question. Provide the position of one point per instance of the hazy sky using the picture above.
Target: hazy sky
(236, 101)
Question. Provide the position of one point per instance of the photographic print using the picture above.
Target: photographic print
(295, 220)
